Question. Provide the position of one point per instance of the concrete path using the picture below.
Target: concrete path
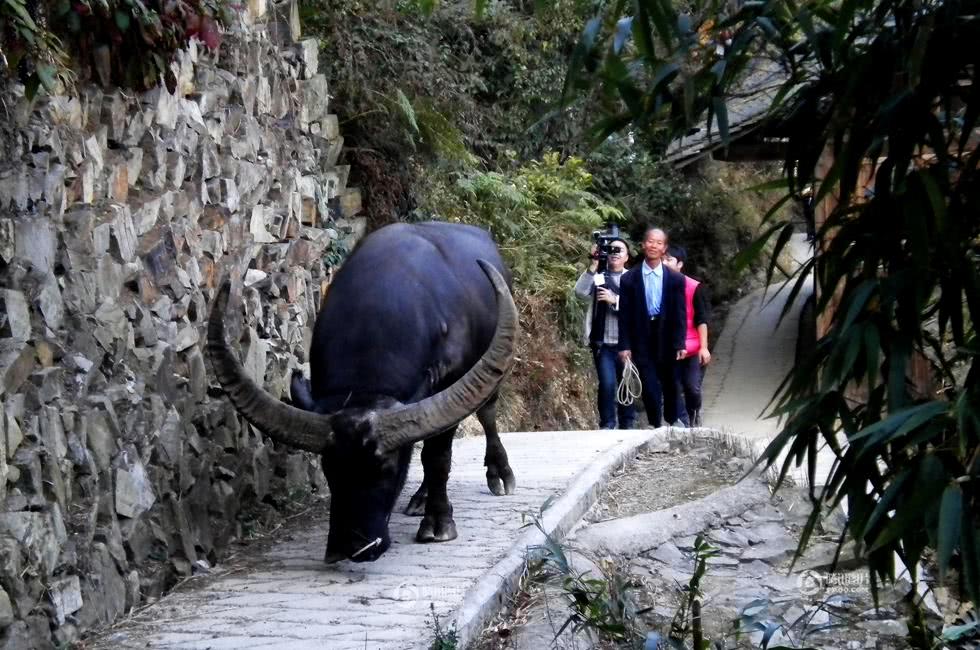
(750, 360)
(290, 600)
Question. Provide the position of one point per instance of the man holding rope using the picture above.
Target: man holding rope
(653, 323)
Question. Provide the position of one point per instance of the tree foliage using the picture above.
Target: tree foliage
(541, 214)
(26, 44)
(879, 104)
(476, 81)
(129, 43)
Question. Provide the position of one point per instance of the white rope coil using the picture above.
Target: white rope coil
(630, 388)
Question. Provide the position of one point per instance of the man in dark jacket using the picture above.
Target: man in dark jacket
(652, 326)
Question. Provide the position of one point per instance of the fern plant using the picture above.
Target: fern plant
(426, 128)
(542, 215)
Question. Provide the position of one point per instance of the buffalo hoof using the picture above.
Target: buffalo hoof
(435, 530)
(334, 557)
(502, 483)
(416, 505)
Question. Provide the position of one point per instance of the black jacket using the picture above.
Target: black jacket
(634, 323)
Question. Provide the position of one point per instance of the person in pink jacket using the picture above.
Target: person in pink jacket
(690, 369)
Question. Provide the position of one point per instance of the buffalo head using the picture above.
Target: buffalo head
(365, 449)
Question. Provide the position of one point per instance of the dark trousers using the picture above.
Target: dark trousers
(689, 375)
(609, 369)
(659, 377)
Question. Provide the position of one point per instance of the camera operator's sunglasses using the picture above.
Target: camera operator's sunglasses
(616, 250)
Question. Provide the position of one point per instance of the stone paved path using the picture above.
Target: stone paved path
(291, 600)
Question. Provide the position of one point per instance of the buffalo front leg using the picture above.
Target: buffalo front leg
(437, 457)
(500, 478)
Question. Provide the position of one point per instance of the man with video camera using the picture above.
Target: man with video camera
(600, 284)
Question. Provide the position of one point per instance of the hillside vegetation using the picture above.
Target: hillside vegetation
(447, 115)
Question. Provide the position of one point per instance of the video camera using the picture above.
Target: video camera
(603, 242)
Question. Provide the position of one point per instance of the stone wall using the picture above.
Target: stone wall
(122, 467)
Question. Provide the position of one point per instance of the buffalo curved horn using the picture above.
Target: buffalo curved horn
(413, 422)
(284, 423)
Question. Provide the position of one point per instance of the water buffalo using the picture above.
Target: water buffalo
(411, 338)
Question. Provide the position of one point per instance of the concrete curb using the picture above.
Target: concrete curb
(486, 598)
(646, 532)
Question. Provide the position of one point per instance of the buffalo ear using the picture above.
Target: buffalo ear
(300, 392)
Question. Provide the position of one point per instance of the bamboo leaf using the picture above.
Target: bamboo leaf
(659, 12)
(803, 277)
(886, 502)
(751, 252)
(929, 480)
(781, 242)
(950, 517)
(665, 74)
(901, 422)
(604, 128)
(624, 28)
(21, 11)
(576, 64)
(872, 348)
(858, 300)
(48, 77)
(721, 114)
(643, 30)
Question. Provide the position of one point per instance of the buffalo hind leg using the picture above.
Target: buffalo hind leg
(500, 478)
(416, 505)
(437, 457)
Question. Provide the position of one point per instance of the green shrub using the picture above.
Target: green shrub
(603, 604)
(542, 216)
(27, 46)
(128, 43)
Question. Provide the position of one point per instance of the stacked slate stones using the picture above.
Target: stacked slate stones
(122, 466)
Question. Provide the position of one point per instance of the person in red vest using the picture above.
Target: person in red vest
(690, 369)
